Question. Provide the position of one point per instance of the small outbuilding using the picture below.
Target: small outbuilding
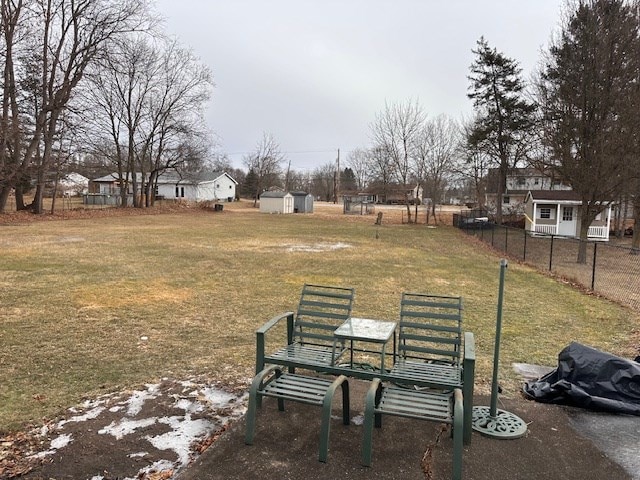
(558, 212)
(276, 202)
(302, 202)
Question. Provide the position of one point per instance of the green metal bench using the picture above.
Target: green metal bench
(419, 404)
(272, 382)
(310, 339)
(430, 348)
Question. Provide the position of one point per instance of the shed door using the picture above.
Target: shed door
(567, 221)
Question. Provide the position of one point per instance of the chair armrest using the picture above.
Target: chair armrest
(260, 334)
(469, 346)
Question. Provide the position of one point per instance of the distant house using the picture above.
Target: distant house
(395, 193)
(302, 202)
(216, 186)
(557, 212)
(519, 182)
(73, 184)
(276, 202)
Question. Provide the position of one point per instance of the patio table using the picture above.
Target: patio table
(366, 330)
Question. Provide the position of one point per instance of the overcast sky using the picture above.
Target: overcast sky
(315, 72)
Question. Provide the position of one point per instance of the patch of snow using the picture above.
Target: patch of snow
(188, 406)
(115, 409)
(126, 427)
(138, 455)
(159, 466)
(40, 455)
(217, 398)
(136, 402)
(317, 247)
(97, 477)
(183, 434)
(61, 441)
(90, 415)
(357, 420)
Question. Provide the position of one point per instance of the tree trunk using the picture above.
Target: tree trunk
(4, 198)
(582, 249)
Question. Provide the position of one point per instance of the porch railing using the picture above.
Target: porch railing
(546, 229)
(597, 232)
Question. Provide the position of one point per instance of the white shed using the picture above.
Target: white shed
(302, 202)
(276, 202)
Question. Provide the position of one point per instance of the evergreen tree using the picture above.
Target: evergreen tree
(503, 118)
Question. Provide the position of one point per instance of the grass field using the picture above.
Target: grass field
(99, 304)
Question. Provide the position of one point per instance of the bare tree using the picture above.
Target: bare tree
(394, 130)
(323, 181)
(149, 97)
(266, 163)
(359, 162)
(436, 149)
(10, 134)
(586, 89)
(71, 35)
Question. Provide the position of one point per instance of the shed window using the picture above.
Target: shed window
(545, 212)
(506, 199)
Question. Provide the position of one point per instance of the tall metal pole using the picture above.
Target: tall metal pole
(491, 421)
(496, 349)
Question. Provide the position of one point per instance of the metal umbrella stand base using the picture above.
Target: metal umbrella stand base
(503, 425)
(491, 421)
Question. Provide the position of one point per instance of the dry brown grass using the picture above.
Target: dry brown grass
(101, 303)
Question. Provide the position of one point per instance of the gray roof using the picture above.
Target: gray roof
(555, 195)
(172, 177)
(273, 194)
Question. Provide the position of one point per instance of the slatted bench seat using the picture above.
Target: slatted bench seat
(273, 382)
(310, 340)
(418, 404)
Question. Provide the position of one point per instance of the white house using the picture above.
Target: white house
(276, 202)
(73, 184)
(216, 186)
(557, 212)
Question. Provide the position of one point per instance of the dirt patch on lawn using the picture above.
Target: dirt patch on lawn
(146, 434)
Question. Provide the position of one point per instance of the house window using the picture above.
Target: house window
(506, 199)
(179, 191)
(536, 181)
(567, 214)
(545, 212)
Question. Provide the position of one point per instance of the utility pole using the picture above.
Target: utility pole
(336, 179)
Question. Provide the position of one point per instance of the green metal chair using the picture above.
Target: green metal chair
(431, 348)
(272, 382)
(310, 339)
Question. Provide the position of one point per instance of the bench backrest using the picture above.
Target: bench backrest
(430, 327)
(321, 310)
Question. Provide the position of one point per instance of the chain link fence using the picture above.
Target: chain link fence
(610, 270)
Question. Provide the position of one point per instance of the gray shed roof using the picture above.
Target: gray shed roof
(273, 194)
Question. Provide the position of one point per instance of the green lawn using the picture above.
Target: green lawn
(78, 296)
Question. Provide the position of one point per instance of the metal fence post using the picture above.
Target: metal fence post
(524, 249)
(593, 268)
(492, 234)
(551, 254)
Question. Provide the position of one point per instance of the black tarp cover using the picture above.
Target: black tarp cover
(589, 378)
